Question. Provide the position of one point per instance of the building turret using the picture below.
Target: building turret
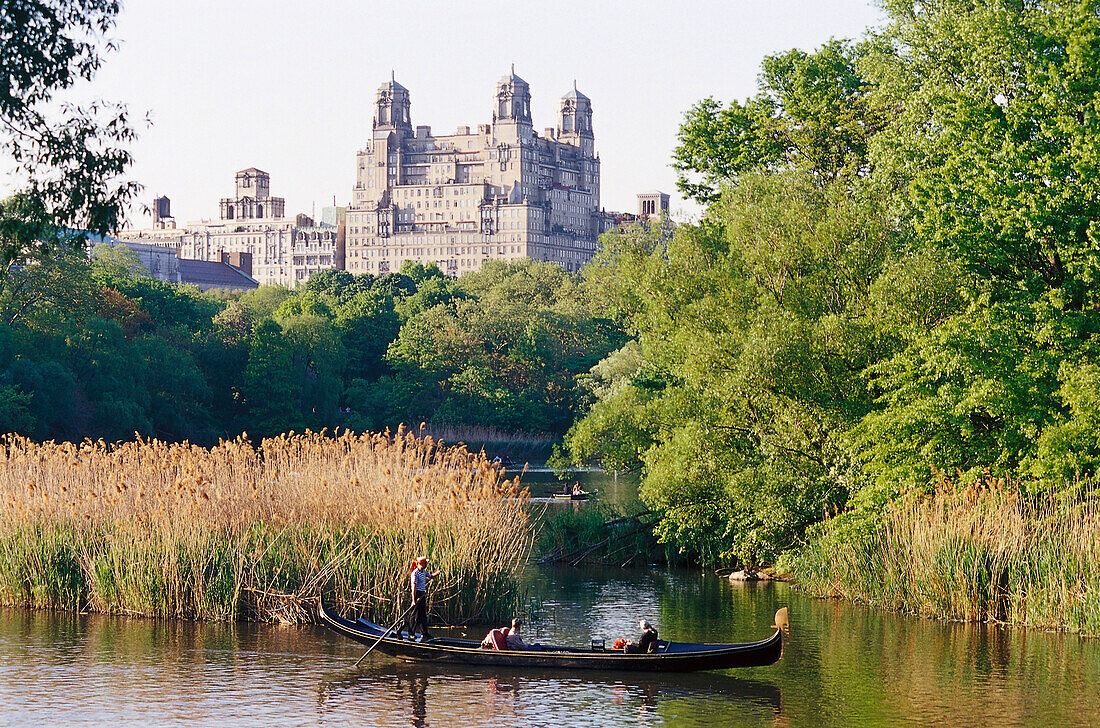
(512, 113)
(391, 107)
(253, 198)
(575, 121)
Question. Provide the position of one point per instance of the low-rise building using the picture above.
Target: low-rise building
(159, 261)
(231, 273)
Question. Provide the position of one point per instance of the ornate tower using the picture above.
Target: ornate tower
(391, 107)
(512, 110)
(391, 126)
(575, 121)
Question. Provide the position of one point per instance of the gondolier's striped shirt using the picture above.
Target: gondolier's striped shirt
(420, 580)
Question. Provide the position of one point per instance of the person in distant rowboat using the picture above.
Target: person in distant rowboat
(647, 642)
(418, 585)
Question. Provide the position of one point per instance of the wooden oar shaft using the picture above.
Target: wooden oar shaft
(383, 636)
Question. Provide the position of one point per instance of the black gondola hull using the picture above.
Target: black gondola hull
(676, 657)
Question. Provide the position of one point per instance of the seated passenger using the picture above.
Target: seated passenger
(646, 643)
(497, 639)
(504, 638)
(512, 640)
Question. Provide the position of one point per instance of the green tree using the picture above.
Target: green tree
(993, 147)
(179, 397)
(752, 331)
(71, 158)
(420, 272)
(500, 347)
(397, 285)
(303, 303)
(318, 360)
(367, 323)
(338, 285)
(431, 292)
(57, 402)
(811, 114)
(43, 271)
(271, 387)
(262, 302)
(112, 377)
(113, 264)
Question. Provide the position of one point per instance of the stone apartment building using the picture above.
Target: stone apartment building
(283, 250)
(500, 191)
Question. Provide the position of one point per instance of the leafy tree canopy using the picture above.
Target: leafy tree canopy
(811, 114)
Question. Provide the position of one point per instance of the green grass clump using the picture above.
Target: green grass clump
(994, 553)
(597, 534)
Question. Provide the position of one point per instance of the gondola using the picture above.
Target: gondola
(669, 657)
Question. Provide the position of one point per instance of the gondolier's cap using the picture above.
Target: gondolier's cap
(422, 560)
(643, 623)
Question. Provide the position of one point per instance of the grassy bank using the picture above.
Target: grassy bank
(981, 554)
(599, 535)
(237, 531)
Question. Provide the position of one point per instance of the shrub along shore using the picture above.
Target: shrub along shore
(988, 553)
(242, 532)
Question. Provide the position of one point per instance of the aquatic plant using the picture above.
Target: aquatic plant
(599, 534)
(239, 531)
(992, 552)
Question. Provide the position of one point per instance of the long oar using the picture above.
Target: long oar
(399, 620)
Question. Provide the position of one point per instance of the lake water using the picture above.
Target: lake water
(843, 666)
(618, 490)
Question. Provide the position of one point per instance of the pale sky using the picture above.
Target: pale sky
(288, 86)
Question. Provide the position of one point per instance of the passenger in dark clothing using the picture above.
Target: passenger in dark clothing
(646, 643)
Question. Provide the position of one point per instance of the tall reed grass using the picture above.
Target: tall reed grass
(517, 446)
(600, 534)
(237, 531)
(987, 553)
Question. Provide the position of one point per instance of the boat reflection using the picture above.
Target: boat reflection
(429, 695)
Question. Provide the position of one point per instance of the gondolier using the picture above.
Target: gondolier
(418, 585)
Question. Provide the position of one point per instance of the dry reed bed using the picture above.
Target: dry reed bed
(986, 553)
(237, 531)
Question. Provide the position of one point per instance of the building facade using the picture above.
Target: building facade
(283, 250)
(500, 191)
(159, 261)
(652, 205)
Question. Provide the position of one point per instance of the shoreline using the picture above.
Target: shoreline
(990, 555)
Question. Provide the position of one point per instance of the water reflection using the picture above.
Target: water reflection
(429, 695)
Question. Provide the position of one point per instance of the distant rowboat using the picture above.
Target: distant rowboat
(583, 495)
